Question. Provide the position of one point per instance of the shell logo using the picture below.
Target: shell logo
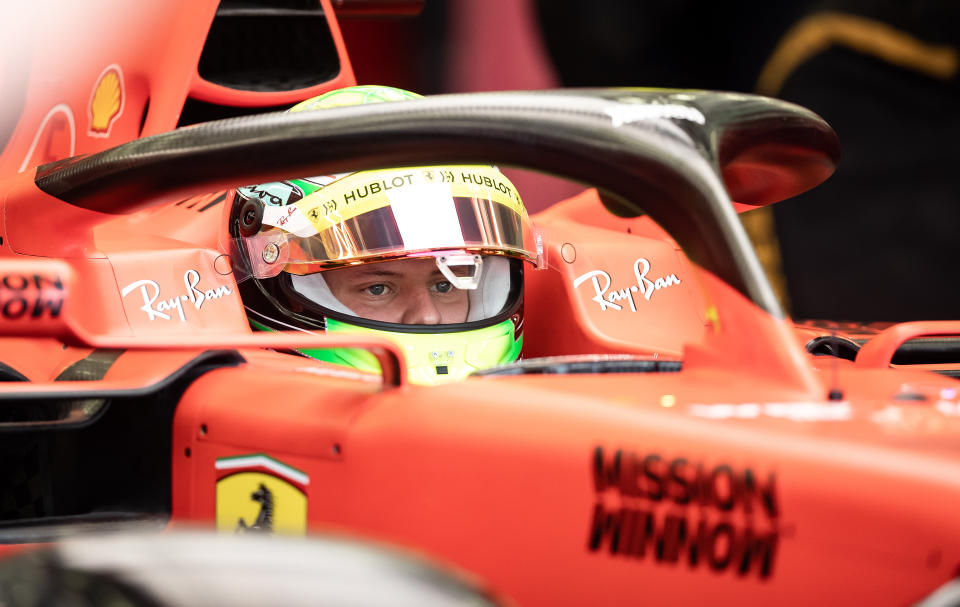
(106, 101)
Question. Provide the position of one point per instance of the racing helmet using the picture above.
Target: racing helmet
(431, 257)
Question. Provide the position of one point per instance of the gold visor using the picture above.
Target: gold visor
(376, 215)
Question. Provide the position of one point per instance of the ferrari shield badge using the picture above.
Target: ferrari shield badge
(256, 493)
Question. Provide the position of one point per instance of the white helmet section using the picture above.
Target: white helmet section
(315, 288)
(486, 300)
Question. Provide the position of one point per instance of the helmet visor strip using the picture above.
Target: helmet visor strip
(378, 215)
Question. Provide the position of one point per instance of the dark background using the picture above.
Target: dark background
(877, 242)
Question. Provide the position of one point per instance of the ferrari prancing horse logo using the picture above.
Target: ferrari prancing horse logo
(264, 521)
(259, 494)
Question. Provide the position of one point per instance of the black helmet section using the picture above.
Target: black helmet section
(249, 215)
(262, 298)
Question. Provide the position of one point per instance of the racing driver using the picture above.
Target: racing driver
(430, 257)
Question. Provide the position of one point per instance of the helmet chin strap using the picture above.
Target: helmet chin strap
(446, 261)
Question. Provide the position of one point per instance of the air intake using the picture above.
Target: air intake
(269, 46)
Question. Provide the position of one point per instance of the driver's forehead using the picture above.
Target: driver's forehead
(408, 269)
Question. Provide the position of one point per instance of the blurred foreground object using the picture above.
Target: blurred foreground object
(187, 568)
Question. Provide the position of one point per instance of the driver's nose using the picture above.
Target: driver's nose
(420, 309)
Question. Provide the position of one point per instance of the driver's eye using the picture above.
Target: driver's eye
(377, 289)
(444, 286)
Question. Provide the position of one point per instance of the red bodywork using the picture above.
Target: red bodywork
(754, 473)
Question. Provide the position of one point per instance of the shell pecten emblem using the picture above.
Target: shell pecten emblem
(106, 101)
(256, 493)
